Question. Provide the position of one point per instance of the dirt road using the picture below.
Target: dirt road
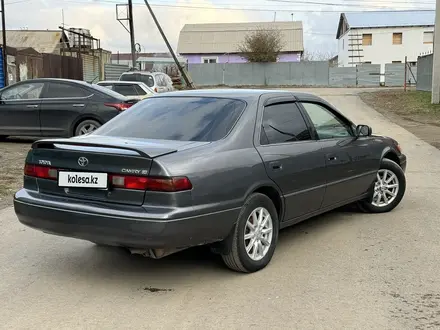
(342, 270)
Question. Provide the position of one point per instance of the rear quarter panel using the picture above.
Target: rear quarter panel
(223, 173)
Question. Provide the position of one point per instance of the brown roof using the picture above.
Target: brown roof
(43, 41)
(217, 38)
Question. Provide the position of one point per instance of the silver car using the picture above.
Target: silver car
(133, 89)
(157, 81)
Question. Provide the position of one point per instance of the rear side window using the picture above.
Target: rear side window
(176, 118)
(139, 90)
(283, 123)
(147, 79)
(58, 90)
(124, 89)
(129, 77)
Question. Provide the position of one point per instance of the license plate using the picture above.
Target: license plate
(83, 180)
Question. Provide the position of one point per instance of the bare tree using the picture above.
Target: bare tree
(318, 56)
(261, 45)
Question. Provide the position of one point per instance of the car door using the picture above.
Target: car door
(20, 109)
(62, 103)
(350, 163)
(292, 159)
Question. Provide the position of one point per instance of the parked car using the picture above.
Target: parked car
(57, 107)
(226, 168)
(132, 89)
(157, 81)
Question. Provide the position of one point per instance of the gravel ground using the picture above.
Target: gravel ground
(12, 155)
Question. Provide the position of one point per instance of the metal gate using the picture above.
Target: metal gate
(114, 71)
(90, 68)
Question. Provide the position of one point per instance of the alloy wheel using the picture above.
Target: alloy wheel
(386, 188)
(258, 233)
(86, 129)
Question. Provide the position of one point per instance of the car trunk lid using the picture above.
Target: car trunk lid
(99, 158)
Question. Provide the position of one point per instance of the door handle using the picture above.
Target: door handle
(276, 166)
(78, 105)
(32, 106)
(332, 158)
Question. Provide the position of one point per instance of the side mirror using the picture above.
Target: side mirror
(363, 130)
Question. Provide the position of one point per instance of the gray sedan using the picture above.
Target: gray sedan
(219, 167)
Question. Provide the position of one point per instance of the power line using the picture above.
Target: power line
(252, 9)
(357, 2)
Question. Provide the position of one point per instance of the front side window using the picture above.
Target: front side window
(24, 91)
(327, 125)
(59, 90)
(282, 123)
(176, 118)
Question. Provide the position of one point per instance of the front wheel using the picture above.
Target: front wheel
(388, 189)
(255, 236)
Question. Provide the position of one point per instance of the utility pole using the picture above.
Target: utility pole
(435, 96)
(132, 42)
(5, 54)
(170, 49)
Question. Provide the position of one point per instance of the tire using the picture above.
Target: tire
(237, 258)
(371, 204)
(3, 137)
(86, 126)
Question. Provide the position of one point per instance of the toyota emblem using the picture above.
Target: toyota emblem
(83, 161)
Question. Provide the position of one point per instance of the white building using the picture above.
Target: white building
(380, 37)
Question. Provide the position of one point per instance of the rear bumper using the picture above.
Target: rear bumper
(135, 229)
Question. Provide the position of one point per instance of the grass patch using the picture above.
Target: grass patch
(403, 103)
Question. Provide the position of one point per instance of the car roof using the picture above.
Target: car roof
(120, 82)
(57, 80)
(138, 72)
(243, 93)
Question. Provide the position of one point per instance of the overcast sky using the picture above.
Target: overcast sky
(320, 17)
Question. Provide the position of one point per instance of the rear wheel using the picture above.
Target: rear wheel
(3, 137)
(255, 236)
(86, 127)
(388, 189)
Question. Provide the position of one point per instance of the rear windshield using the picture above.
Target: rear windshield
(107, 91)
(202, 119)
(147, 79)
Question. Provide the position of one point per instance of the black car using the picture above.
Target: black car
(227, 168)
(57, 107)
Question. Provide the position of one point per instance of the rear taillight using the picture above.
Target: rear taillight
(43, 172)
(120, 181)
(154, 184)
(119, 106)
